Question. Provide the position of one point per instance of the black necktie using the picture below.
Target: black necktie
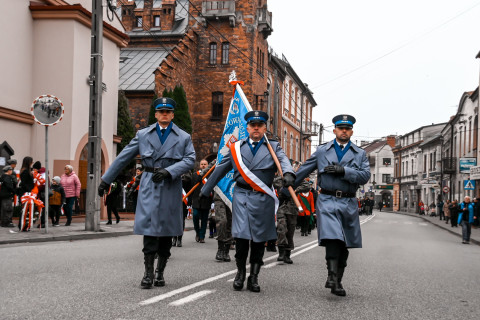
(254, 145)
(163, 131)
(342, 146)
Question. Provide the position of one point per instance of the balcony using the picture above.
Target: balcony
(449, 165)
(219, 9)
(264, 22)
(309, 129)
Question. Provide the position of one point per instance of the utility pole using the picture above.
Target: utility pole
(92, 218)
(320, 134)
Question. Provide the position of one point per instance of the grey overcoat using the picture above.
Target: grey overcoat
(159, 205)
(337, 218)
(253, 213)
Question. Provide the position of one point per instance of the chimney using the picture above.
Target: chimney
(391, 140)
(167, 17)
(127, 13)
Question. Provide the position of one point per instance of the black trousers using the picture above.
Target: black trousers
(112, 208)
(336, 250)
(256, 254)
(160, 245)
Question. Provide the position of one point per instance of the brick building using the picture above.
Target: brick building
(197, 44)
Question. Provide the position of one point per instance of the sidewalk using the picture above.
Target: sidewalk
(474, 237)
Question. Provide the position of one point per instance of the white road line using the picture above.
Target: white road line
(226, 274)
(408, 222)
(191, 298)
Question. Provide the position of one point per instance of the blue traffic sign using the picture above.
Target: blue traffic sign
(469, 184)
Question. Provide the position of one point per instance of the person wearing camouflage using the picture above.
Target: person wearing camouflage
(223, 218)
(286, 222)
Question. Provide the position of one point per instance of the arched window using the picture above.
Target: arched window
(217, 105)
(225, 53)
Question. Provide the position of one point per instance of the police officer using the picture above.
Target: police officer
(253, 207)
(167, 152)
(342, 167)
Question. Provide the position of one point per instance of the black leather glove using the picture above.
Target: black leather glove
(288, 179)
(102, 188)
(203, 197)
(160, 175)
(335, 169)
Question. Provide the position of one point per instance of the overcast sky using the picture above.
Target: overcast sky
(394, 65)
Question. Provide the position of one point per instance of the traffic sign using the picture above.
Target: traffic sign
(446, 189)
(469, 184)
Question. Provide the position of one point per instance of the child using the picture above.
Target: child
(56, 201)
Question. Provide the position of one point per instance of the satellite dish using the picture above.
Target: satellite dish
(47, 110)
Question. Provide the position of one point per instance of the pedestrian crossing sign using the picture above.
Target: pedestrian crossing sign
(469, 184)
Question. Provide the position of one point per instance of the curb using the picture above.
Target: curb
(439, 226)
(98, 235)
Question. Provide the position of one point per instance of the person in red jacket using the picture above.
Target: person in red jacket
(71, 184)
(306, 201)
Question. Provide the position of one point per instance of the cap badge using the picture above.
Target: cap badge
(345, 118)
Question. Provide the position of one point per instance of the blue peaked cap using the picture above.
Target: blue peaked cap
(344, 120)
(164, 104)
(256, 116)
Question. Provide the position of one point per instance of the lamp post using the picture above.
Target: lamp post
(374, 190)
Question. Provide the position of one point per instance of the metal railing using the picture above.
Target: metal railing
(218, 8)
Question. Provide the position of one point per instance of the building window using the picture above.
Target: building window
(291, 146)
(475, 134)
(285, 138)
(225, 53)
(425, 163)
(213, 53)
(386, 178)
(156, 21)
(138, 22)
(217, 105)
(387, 161)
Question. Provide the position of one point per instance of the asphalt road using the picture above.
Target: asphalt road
(408, 269)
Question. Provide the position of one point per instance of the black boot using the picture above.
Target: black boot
(179, 241)
(339, 291)
(174, 241)
(159, 281)
(220, 254)
(147, 280)
(333, 271)
(241, 274)
(281, 254)
(287, 259)
(252, 282)
(226, 249)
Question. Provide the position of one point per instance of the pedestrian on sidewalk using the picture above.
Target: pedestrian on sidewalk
(56, 201)
(476, 212)
(167, 152)
(342, 168)
(454, 213)
(465, 219)
(111, 200)
(441, 214)
(26, 187)
(7, 191)
(446, 210)
(72, 186)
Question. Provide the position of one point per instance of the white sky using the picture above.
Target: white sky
(419, 84)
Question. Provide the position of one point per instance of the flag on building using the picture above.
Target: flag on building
(235, 129)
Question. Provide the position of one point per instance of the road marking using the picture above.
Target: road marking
(408, 222)
(226, 274)
(191, 298)
(423, 224)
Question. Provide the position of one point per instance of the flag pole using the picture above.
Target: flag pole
(196, 186)
(275, 158)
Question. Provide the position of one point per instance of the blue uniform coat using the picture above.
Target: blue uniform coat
(337, 218)
(159, 205)
(253, 213)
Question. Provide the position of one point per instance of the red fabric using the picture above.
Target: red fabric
(309, 200)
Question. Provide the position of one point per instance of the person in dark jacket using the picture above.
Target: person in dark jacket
(111, 200)
(454, 213)
(27, 184)
(186, 186)
(7, 191)
(201, 205)
(476, 212)
(56, 201)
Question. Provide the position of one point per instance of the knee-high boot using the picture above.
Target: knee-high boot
(252, 282)
(240, 276)
(147, 281)
(220, 252)
(161, 264)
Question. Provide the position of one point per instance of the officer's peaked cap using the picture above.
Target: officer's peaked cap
(344, 120)
(6, 168)
(164, 104)
(256, 116)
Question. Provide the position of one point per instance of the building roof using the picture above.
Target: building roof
(137, 66)
(430, 139)
(374, 146)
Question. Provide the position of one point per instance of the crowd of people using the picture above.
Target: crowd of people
(25, 188)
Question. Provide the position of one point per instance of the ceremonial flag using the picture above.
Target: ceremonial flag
(235, 129)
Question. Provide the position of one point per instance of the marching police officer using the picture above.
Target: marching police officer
(254, 201)
(342, 167)
(167, 152)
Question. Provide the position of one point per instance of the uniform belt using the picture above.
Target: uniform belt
(151, 169)
(338, 193)
(246, 186)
